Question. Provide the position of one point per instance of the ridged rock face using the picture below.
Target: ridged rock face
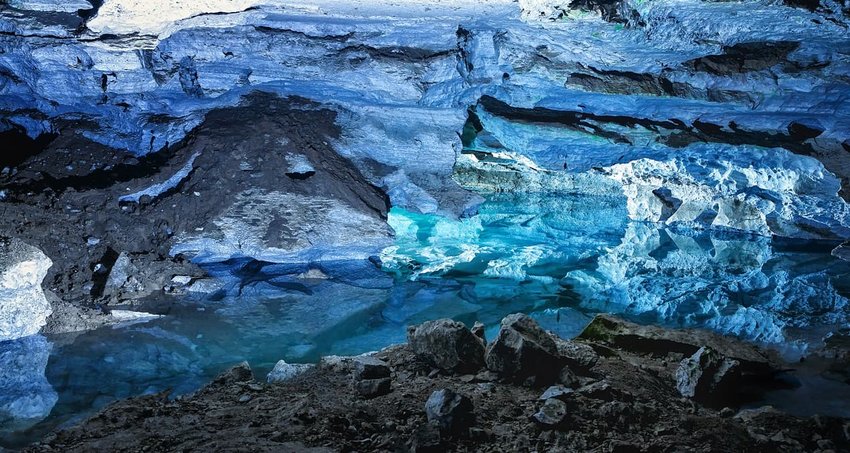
(23, 307)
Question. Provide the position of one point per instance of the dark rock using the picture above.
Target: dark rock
(568, 378)
(577, 355)
(708, 377)
(448, 345)
(744, 57)
(602, 391)
(239, 373)
(523, 350)
(373, 388)
(367, 367)
(551, 414)
(478, 331)
(805, 129)
(451, 411)
(632, 337)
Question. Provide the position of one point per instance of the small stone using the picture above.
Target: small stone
(727, 412)
(181, 280)
(557, 392)
(451, 411)
(551, 414)
(285, 371)
(373, 388)
(598, 390)
(244, 398)
(368, 367)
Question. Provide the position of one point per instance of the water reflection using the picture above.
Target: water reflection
(561, 260)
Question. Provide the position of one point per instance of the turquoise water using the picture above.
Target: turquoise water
(560, 259)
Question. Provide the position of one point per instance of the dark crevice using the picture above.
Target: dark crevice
(18, 146)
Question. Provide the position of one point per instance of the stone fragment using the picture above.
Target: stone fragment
(708, 377)
(551, 414)
(576, 354)
(557, 392)
(372, 388)
(568, 378)
(283, 371)
(23, 306)
(523, 350)
(451, 411)
(448, 345)
(368, 367)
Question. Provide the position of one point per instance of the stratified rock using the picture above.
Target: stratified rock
(653, 339)
(523, 350)
(451, 411)
(708, 377)
(448, 345)
(283, 371)
(372, 388)
(368, 367)
(551, 414)
(23, 306)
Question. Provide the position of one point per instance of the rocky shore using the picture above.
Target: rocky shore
(617, 387)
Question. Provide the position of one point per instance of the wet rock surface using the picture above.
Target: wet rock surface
(630, 403)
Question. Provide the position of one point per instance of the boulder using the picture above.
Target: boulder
(708, 377)
(451, 411)
(447, 345)
(368, 367)
(283, 371)
(632, 337)
(551, 414)
(23, 306)
(523, 350)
